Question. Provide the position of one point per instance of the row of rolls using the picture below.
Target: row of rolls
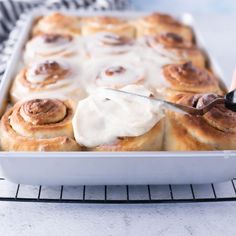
(62, 97)
(152, 24)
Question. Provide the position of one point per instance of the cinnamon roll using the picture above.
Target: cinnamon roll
(47, 78)
(38, 125)
(52, 45)
(216, 130)
(157, 23)
(113, 74)
(188, 78)
(57, 23)
(92, 25)
(174, 46)
(109, 121)
(108, 44)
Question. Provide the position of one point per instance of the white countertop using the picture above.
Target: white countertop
(163, 219)
(89, 220)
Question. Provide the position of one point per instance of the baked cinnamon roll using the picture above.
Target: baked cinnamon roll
(47, 78)
(52, 45)
(216, 130)
(157, 23)
(187, 78)
(108, 44)
(57, 23)
(109, 121)
(38, 125)
(114, 74)
(92, 25)
(174, 46)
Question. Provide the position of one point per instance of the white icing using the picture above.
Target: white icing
(128, 75)
(99, 121)
(106, 115)
(70, 86)
(142, 67)
(33, 77)
(37, 48)
(103, 43)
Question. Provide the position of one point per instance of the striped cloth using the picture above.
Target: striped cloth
(11, 11)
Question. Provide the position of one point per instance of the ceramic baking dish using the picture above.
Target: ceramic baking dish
(97, 168)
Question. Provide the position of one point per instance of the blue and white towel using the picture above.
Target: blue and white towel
(11, 10)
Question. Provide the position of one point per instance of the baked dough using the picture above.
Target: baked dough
(38, 125)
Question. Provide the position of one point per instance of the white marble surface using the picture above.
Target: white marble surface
(176, 219)
(28, 219)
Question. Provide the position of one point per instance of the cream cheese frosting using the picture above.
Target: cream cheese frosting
(105, 43)
(106, 115)
(55, 45)
(49, 78)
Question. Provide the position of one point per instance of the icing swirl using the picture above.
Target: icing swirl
(49, 78)
(105, 43)
(45, 73)
(117, 76)
(52, 45)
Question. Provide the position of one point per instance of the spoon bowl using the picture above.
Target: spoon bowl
(230, 100)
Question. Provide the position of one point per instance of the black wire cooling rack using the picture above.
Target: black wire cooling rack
(131, 194)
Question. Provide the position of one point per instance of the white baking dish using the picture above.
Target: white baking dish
(112, 168)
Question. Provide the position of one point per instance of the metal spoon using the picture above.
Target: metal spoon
(229, 100)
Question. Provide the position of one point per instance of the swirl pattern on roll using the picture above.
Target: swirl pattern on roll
(117, 76)
(52, 45)
(105, 44)
(215, 130)
(188, 78)
(46, 78)
(157, 23)
(175, 47)
(38, 125)
(219, 116)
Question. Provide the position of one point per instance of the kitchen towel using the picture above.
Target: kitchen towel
(11, 10)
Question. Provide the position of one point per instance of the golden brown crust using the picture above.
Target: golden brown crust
(93, 25)
(150, 141)
(157, 23)
(216, 130)
(190, 79)
(38, 125)
(178, 46)
(57, 23)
